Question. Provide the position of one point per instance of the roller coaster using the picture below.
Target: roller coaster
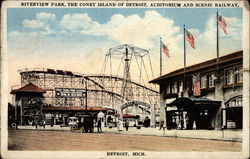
(102, 90)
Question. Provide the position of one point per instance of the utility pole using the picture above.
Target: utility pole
(184, 41)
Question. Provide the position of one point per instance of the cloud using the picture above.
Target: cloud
(78, 21)
(33, 23)
(137, 30)
(45, 16)
(79, 31)
(14, 34)
(43, 21)
(132, 29)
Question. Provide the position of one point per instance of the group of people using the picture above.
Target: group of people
(179, 124)
(120, 125)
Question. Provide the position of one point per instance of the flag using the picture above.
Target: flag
(196, 84)
(190, 39)
(165, 50)
(222, 23)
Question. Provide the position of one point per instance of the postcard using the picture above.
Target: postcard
(125, 79)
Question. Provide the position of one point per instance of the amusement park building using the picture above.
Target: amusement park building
(66, 92)
(219, 103)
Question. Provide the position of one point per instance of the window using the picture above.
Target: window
(239, 75)
(203, 82)
(168, 89)
(180, 86)
(211, 79)
(189, 84)
(229, 76)
(174, 87)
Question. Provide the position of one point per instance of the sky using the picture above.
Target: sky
(77, 39)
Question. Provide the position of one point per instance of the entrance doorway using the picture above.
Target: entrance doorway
(234, 118)
(192, 113)
(234, 113)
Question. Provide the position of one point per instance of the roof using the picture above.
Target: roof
(126, 115)
(189, 102)
(29, 88)
(74, 108)
(223, 59)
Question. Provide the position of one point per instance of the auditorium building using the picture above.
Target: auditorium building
(209, 98)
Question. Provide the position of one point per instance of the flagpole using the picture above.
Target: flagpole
(160, 57)
(217, 47)
(184, 80)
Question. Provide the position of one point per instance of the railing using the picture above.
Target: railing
(84, 75)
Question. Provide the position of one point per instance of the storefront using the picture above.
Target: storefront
(61, 114)
(232, 113)
(191, 113)
(192, 86)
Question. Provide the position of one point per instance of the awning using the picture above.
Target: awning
(187, 103)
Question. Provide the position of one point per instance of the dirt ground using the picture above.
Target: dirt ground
(68, 141)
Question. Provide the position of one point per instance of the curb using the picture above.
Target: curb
(229, 140)
(143, 134)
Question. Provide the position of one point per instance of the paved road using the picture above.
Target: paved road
(68, 141)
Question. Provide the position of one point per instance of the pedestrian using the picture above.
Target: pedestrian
(120, 124)
(182, 124)
(126, 125)
(44, 124)
(161, 124)
(187, 122)
(194, 125)
(99, 126)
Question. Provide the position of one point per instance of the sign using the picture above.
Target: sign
(70, 92)
(231, 124)
(131, 103)
(234, 102)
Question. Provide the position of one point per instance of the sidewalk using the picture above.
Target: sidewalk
(226, 135)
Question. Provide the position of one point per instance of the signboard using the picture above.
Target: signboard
(131, 103)
(234, 102)
(70, 92)
(231, 124)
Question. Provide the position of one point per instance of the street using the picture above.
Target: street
(68, 141)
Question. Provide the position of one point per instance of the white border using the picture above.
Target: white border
(102, 154)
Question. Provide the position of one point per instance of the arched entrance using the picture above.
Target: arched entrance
(234, 114)
(136, 103)
(143, 110)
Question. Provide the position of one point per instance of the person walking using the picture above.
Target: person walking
(126, 125)
(43, 123)
(161, 124)
(181, 124)
(187, 122)
(194, 125)
(99, 126)
(120, 124)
